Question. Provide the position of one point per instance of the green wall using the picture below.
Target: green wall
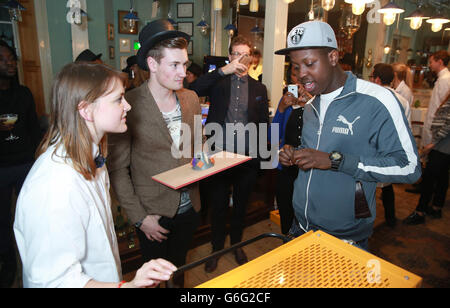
(60, 34)
(104, 12)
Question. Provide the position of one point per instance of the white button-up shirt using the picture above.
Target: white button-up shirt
(440, 91)
(64, 227)
(406, 92)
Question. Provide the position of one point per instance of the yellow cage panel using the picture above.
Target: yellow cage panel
(316, 260)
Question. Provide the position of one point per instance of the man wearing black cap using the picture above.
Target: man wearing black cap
(88, 56)
(165, 219)
(354, 135)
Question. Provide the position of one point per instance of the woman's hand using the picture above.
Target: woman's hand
(151, 274)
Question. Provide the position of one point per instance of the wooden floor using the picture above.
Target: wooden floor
(405, 203)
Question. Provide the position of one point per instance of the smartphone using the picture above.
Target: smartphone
(293, 89)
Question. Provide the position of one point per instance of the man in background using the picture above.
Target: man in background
(438, 62)
(16, 154)
(88, 56)
(235, 98)
(383, 75)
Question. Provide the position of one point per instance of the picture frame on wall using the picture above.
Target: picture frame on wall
(112, 52)
(122, 28)
(186, 27)
(185, 10)
(110, 32)
(124, 45)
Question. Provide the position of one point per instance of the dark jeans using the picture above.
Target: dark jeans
(242, 178)
(175, 248)
(284, 192)
(434, 181)
(11, 179)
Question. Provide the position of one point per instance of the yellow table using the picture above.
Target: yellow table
(316, 259)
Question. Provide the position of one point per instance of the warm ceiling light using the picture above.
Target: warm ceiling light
(358, 6)
(437, 21)
(243, 2)
(254, 6)
(217, 5)
(231, 29)
(416, 19)
(387, 48)
(390, 12)
(328, 4)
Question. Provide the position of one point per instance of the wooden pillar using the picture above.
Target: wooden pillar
(30, 58)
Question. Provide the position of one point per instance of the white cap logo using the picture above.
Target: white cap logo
(297, 35)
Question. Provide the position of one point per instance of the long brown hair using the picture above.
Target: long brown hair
(75, 83)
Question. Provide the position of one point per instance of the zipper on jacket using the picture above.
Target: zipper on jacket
(319, 133)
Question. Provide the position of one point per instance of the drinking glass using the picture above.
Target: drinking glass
(9, 119)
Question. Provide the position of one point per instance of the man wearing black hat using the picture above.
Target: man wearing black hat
(165, 219)
(88, 56)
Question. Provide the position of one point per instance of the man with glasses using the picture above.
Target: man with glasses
(234, 99)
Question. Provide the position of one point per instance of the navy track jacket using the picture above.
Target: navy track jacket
(366, 123)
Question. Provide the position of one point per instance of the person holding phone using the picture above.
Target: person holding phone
(63, 225)
(235, 99)
(289, 118)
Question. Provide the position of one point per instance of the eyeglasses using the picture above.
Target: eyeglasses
(238, 54)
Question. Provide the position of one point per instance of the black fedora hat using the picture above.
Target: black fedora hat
(87, 56)
(130, 62)
(153, 33)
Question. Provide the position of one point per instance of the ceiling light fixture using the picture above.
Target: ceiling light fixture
(416, 18)
(130, 19)
(390, 12)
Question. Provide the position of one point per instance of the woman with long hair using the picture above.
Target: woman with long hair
(63, 225)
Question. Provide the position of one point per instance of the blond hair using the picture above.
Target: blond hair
(403, 73)
(75, 83)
